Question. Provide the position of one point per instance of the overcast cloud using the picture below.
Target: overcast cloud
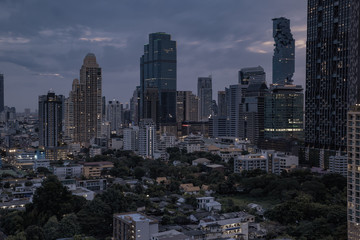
(43, 42)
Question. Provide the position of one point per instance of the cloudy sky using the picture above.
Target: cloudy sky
(43, 42)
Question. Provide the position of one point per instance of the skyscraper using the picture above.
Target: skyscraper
(186, 106)
(221, 103)
(114, 114)
(158, 73)
(327, 79)
(353, 205)
(204, 89)
(1, 92)
(147, 138)
(254, 74)
(50, 119)
(284, 52)
(284, 112)
(87, 97)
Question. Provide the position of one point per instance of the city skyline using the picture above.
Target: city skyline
(39, 54)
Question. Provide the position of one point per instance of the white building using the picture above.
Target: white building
(338, 164)
(71, 171)
(136, 226)
(234, 228)
(251, 162)
(131, 141)
(147, 138)
(282, 161)
(170, 235)
(208, 203)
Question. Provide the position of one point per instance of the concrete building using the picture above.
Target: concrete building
(88, 101)
(233, 228)
(338, 164)
(1, 92)
(251, 162)
(131, 138)
(170, 235)
(204, 89)
(94, 169)
(114, 114)
(281, 162)
(252, 74)
(147, 138)
(136, 226)
(68, 171)
(208, 203)
(186, 106)
(50, 119)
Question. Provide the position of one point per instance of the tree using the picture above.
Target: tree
(34, 232)
(139, 172)
(51, 228)
(12, 223)
(68, 226)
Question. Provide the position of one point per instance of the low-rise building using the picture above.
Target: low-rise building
(170, 235)
(203, 161)
(68, 171)
(233, 228)
(282, 162)
(94, 169)
(189, 188)
(338, 164)
(134, 226)
(251, 162)
(208, 203)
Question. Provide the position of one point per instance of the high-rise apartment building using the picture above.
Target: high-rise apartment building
(87, 97)
(327, 79)
(158, 79)
(284, 52)
(147, 138)
(50, 119)
(135, 105)
(204, 89)
(221, 103)
(114, 114)
(186, 106)
(1, 92)
(234, 96)
(353, 126)
(254, 74)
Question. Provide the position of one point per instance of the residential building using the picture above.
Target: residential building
(284, 52)
(251, 162)
(134, 225)
(170, 235)
(1, 92)
(135, 106)
(131, 138)
(68, 171)
(147, 138)
(204, 89)
(94, 169)
(222, 103)
(158, 73)
(327, 80)
(353, 174)
(338, 164)
(114, 112)
(233, 228)
(88, 101)
(50, 119)
(282, 162)
(208, 203)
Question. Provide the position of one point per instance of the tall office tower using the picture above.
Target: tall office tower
(284, 112)
(135, 105)
(151, 104)
(186, 106)
(254, 74)
(1, 92)
(284, 52)
(50, 119)
(222, 103)
(114, 114)
(353, 165)
(204, 89)
(147, 138)
(103, 107)
(251, 113)
(326, 97)
(158, 72)
(131, 138)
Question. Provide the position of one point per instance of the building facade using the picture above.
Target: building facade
(158, 73)
(204, 89)
(284, 52)
(254, 74)
(186, 106)
(1, 92)
(114, 114)
(147, 138)
(327, 79)
(50, 119)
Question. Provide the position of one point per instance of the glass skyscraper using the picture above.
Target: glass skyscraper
(158, 74)
(327, 79)
(284, 52)
(204, 88)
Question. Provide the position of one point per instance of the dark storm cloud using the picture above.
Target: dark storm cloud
(43, 43)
